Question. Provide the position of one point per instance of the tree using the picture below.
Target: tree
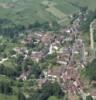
(85, 24)
(8, 71)
(5, 85)
(89, 98)
(21, 96)
(49, 90)
(91, 70)
(34, 67)
(95, 35)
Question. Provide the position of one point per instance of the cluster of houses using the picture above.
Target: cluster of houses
(70, 51)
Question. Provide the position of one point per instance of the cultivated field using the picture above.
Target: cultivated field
(56, 12)
(28, 11)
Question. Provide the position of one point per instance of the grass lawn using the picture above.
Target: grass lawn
(8, 64)
(64, 22)
(6, 97)
(90, 3)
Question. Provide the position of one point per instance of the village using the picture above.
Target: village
(47, 50)
(71, 57)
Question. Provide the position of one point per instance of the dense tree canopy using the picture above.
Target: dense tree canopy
(85, 24)
(89, 98)
(95, 35)
(48, 89)
(91, 70)
(5, 85)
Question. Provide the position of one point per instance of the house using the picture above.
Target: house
(45, 50)
(68, 39)
(72, 79)
(71, 96)
(63, 58)
(93, 83)
(47, 38)
(54, 47)
(34, 37)
(70, 87)
(41, 82)
(17, 50)
(21, 50)
(54, 73)
(70, 74)
(29, 37)
(78, 83)
(38, 34)
(37, 56)
(24, 75)
(93, 94)
(59, 37)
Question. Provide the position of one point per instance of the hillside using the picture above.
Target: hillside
(47, 50)
(29, 11)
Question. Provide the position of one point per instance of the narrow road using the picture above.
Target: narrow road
(91, 36)
(3, 60)
(93, 23)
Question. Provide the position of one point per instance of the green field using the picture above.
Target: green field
(29, 11)
(6, 97)
(57, 13)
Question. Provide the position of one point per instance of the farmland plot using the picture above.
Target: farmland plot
(56, 12)
(49, 3)
(64, 22)
(25, 12)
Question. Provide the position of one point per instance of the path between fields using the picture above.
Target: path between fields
(5, 59)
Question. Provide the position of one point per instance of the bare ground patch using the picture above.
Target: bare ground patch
(4, 5)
